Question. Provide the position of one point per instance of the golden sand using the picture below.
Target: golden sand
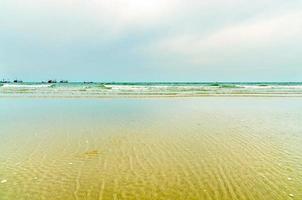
(215, 149)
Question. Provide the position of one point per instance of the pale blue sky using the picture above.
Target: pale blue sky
(159, 40)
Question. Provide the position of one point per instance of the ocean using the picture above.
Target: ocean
(150, 89)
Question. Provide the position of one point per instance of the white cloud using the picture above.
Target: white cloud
(182, 33)
(82, 18)
(111, 17)
(259, 33)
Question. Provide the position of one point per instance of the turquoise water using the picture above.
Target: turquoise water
(110, 89)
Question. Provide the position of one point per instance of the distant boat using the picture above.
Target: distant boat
(18, 81)
(63, 81)
(51, 81)
(4, 81)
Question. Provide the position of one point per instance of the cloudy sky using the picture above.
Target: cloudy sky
(151, 40)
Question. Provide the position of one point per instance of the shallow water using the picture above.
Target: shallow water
(185, 148)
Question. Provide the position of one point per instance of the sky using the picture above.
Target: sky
(151, 40)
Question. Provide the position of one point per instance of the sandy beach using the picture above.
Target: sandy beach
(185, 148)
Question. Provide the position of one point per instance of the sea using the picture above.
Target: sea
(150, 89)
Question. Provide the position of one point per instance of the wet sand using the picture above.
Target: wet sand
(184, 148)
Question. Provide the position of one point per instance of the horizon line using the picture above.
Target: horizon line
(91, 81)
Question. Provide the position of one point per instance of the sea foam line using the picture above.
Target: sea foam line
(26, 86)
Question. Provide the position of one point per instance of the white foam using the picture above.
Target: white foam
(26, 85)
(273, 87)
(257, 86)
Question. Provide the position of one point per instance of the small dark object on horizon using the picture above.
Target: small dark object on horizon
(90, 82)
(52, 81)
(4, 81)
(63, 81)
(18, 81)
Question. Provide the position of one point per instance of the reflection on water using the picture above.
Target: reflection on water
(197, 148)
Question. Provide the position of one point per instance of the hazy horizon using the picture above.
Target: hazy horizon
(152, 81)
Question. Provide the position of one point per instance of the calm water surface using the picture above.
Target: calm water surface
(181, 148)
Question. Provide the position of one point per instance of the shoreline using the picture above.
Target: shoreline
(142, 96)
